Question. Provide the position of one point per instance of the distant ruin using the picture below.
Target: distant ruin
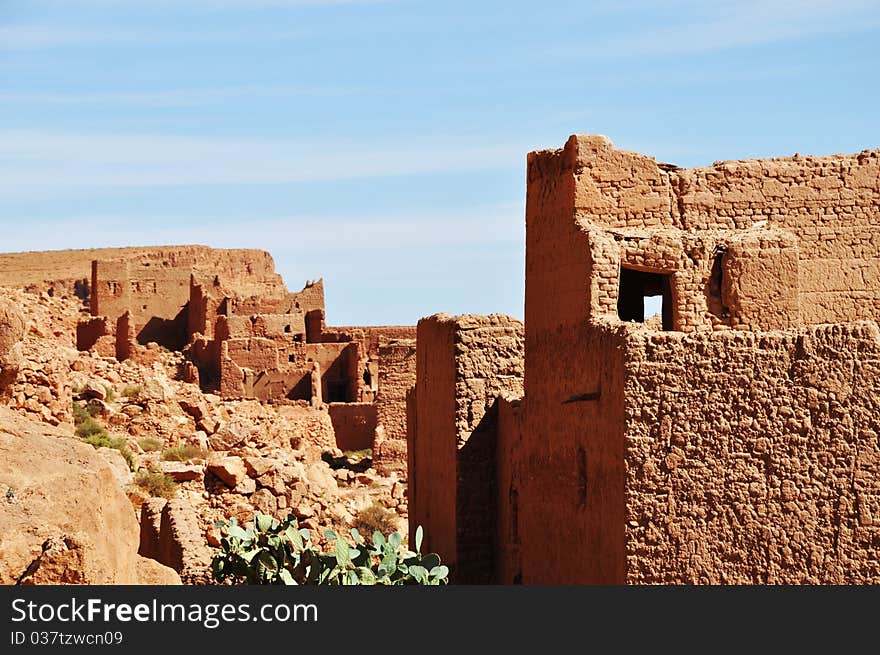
(733, 438)
(246, 336)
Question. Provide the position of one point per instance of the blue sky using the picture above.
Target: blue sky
(382, 145)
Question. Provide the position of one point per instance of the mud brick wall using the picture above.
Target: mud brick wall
(125, 337)
(832, 205)
(310, 298)
(509, 473)
(572, 486)
(397, 374)
(155, 285)
(829, 205)
(463, 364)
(90, 330)
(740, 447)
(354, 425)
(67, 272)
(754, 458)
(369, 335)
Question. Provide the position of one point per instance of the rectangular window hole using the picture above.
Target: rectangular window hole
(643, 295)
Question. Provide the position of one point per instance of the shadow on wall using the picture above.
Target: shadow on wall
(170, 334)
(475, 502)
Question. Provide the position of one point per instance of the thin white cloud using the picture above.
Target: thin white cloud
(178, 97)
(47, 162)
(496, 225)
(42, 36)
(218, 5)
(48, 36)
(698, 27)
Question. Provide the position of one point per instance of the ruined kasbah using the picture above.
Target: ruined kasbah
(733, 438)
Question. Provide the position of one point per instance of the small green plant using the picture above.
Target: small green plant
(94, 434)
(375, 517)
(80, 413)
(109, 394)
(90, 428)
(183, 453)
(357, 455)
(273, 552)
(156, 483)
(103, 440)
(150, 444)
(83, 412)
(132, 393)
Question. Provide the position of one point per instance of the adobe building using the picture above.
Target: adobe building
(734, 438)
(247, 337)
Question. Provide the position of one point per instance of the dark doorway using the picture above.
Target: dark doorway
(636, 287)
(337, 391)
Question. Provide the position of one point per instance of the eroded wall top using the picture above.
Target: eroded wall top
(801, 233)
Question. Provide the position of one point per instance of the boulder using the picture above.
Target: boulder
(264, 501)
(64, 518)
(227, 436)
(258, 466)
(155, 390)
(198, 439)
(181, 471)
(274, 482)
(209, 424)
(151, 572)
(231, 470)
(94, 389)
(197, 408)
(12, 330)
(246, 487)
(121, 471)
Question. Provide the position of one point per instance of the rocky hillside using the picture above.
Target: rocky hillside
(183, 458)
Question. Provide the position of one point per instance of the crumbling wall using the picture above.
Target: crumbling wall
(170, 534)
(156, 287)
(828, 205)
(754, 458)
(463, 365)
(96, 333)
(354, 425)
(125, 337)
(832, 205)
(397, 374)
(63, 272)
(309, 299)
(256, 367)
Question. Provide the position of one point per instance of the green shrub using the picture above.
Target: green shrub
(109, 394)
(132, 393)
(101, 439)
(150, 444)
(90, 428)
(183, 453)
(80, 413)
(94, 434)
(375, 517)
(83, 412)
(156, 483)
(273, 552)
